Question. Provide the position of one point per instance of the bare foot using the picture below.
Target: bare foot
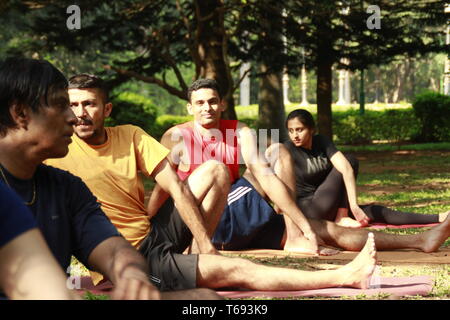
(443, 216)
(348, 222)
(435, 237)
(357, 273)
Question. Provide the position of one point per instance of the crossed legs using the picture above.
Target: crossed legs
(337, 236)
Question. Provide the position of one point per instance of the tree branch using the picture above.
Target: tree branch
(171, 62)
(191, 43)
(241, 78)
(163, 84)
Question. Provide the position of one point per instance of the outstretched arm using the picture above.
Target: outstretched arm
(125, 267)
(159, 195)
(28, 270)
(343, 166)
(275, 189)
(157, 199)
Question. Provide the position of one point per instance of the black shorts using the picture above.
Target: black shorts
(163, 248)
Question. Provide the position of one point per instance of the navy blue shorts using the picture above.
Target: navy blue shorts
(248, 221)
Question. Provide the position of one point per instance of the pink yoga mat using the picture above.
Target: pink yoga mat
(104, 287)
(400, 286)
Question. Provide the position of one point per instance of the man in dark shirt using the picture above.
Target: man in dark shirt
(23, 248)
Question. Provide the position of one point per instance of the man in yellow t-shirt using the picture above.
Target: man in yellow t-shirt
(110, 170)
(109, 159)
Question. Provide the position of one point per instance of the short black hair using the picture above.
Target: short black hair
(304, 116)
(203, 84)
(26, 82)
(89, 81)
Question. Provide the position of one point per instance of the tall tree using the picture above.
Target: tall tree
(331, 30)
(271, 109)
(143, 40)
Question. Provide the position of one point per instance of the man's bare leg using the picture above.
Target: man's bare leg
(219, 271)
(353, 239)
(443, 216)
(343, 220)
(210, 184)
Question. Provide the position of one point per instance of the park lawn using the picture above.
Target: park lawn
(411, 180)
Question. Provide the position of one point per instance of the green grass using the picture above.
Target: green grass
(90, 296)
(394, 147)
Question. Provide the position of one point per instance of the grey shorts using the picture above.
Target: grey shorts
(163, 248)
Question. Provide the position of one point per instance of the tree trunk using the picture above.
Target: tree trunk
(271, 106)
(212, 49)
(324, 92)
(271, 110)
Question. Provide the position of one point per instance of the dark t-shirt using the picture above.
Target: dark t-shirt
(15, 217)
(311, 166)
(67, 213)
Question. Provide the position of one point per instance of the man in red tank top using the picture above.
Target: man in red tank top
(207, 143)
(207, 150)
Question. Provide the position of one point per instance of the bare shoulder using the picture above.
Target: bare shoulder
(242, 128)
(173, 135)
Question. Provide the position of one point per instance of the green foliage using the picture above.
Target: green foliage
(164, 101)
(390, 147)
(166, 121)
(91, 296)
(132, 108)
(433, 111)
(250, 121)
(350, 127)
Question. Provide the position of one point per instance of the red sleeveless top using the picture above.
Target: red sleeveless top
(222, 146)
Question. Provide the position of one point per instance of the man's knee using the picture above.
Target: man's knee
(275, 152)
(216, 169)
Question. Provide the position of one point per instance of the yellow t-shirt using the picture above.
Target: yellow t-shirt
(111, 171)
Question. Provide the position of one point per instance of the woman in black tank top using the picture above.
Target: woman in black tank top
(326, 180)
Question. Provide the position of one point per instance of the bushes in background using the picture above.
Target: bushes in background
(165, 122)
(132, 108)
(427, 121)
(350, 127)
(433, 111)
